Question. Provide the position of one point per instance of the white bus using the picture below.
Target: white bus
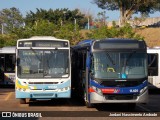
(43, 69)
(7, 65)
(154, 67)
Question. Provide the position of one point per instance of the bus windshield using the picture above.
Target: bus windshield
(43, 63)
(119, 65)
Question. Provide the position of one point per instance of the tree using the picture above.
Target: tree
(39, 28)
(10, 18)
(122, 32)
(58, 16)
(46, 28)
(102, 18)
(128, 7)
(8, 40)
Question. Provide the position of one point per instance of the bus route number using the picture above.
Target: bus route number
(133, 90)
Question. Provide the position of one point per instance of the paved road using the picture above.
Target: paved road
(9, 103)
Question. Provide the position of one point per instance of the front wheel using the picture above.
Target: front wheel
(88, 105)
(22, 101)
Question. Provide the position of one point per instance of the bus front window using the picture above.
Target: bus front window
(119, 65)
(106, 64)
(43, 63)
(134, 64)
(56, 63)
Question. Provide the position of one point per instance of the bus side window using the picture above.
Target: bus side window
(153, 64)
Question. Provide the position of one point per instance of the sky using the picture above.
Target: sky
(85, 5)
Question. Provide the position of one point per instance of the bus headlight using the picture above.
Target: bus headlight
(64, 89)
(97, 90)
(24, 89)
(143, 90)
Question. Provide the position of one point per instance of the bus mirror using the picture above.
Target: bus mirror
(88, 49)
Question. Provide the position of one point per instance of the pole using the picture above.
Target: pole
(88, 24)
(2, 29)
(75, 22)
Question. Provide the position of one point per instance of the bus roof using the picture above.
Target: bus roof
(8, 49)
(42, 38)
(107, 39)
(153, 50)
(90, 42)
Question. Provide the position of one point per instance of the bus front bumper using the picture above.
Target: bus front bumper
(96, 98)
(43, 94)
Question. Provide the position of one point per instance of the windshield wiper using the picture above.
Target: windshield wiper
(35, 54)
(129, 57)
(110, 58)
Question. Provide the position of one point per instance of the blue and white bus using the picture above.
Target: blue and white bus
(43, 69)
(111, 71)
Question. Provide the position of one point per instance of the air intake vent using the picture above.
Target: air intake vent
(43, 82)
(120, 97)
(121, 83)
(43, 95)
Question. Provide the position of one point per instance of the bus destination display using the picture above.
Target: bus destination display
(42, 44)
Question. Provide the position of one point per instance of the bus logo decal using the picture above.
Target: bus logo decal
(116, 90)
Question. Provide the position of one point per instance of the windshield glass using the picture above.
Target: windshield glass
(43, 63)
(122, 65)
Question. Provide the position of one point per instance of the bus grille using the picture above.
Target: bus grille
(43, 82)
(43, 95)
(42, 89)
(120, 97)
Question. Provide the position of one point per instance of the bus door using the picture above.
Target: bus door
(82, 70)
(87, 80)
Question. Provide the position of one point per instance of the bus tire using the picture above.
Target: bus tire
(22, 101)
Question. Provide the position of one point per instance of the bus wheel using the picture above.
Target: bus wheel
(22, 101)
